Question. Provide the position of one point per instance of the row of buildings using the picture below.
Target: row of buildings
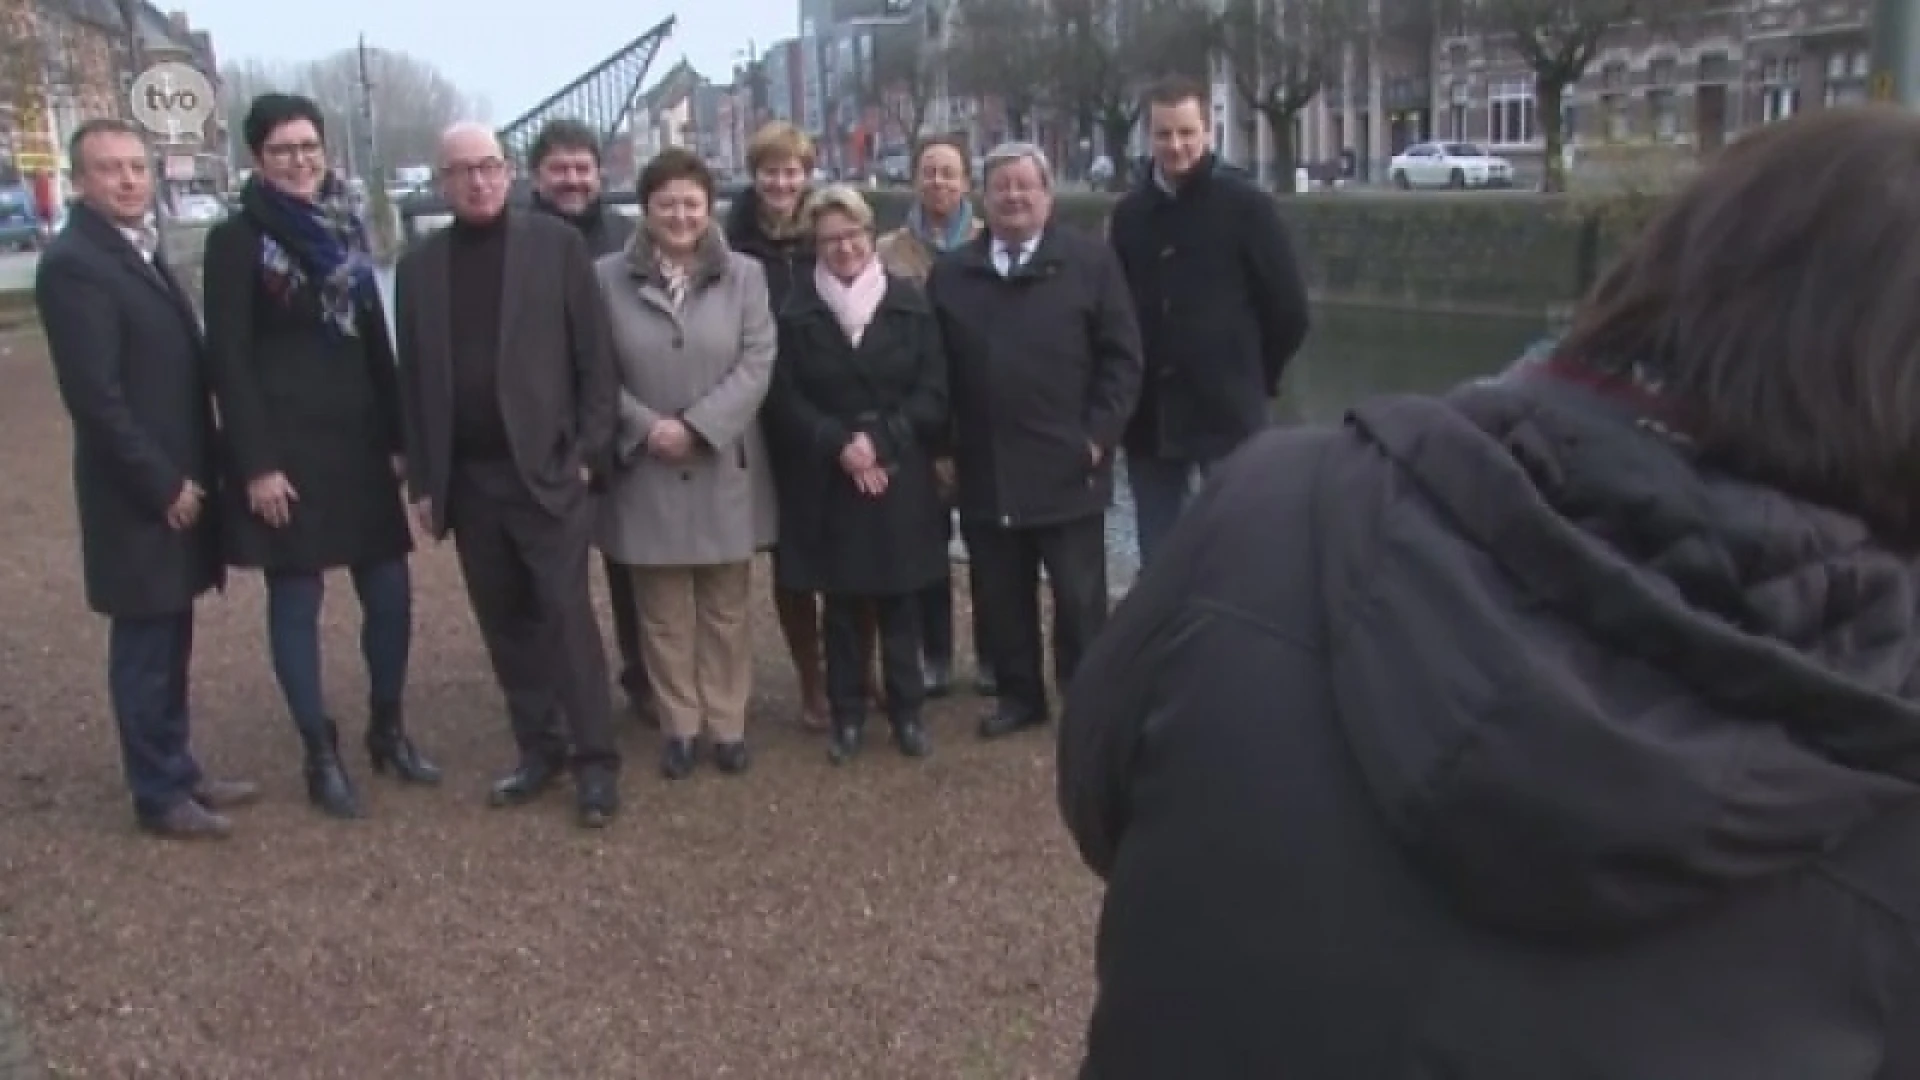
(63, 62)
(1686, 88)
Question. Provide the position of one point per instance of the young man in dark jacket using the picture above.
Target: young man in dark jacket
(1221, 305)
(567, 184)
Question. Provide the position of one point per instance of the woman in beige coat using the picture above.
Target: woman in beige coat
(693, 499)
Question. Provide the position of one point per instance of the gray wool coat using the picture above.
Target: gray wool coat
(709, 363)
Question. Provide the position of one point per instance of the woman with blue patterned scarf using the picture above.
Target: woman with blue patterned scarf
(309, 401)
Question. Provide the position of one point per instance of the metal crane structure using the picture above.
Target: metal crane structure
(603, 98)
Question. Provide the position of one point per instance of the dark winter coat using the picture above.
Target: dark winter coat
(605, 229)
(298, 398)
(787, 261)
(1491, 738)
(1222, 310)
(131, 363)
(891, 387)
(1043, 365)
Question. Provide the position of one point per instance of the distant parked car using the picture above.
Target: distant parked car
(1449, 165)
(20, 226)
(199, 209)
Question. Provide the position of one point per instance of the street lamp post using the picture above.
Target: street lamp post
(1896, 51)
(136, 63)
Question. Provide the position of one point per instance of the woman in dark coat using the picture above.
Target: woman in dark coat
(303, 372)
(858, 411)
(1564, 726)
(765, 223)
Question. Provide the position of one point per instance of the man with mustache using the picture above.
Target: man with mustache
(567, 183)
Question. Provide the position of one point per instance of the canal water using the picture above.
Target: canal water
(1352, 354)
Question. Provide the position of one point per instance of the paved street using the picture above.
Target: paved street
(16, 270)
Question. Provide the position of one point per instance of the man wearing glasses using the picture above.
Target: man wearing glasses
(508, 375)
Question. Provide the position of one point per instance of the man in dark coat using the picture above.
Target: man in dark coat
(567, 184)
(503, 455)
(1045, 365)
(1221, 303)
(128, 353)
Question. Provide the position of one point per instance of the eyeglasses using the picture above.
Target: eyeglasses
(485, 169)
(290, 151)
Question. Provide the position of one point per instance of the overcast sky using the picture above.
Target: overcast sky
(513, 52)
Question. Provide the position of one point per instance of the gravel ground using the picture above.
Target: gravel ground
(894, 919)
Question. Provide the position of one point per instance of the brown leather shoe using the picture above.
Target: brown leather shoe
(226, 794)
(188, 820)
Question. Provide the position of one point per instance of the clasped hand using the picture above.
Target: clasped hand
(670, 440)
(860, 462)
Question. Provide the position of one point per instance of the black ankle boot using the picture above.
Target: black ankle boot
(328, 786)
(389, 748)
(844, 744)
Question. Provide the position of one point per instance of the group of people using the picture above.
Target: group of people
(1562, 725)
(681, 393)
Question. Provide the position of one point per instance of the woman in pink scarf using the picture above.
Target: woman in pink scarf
(857, 413)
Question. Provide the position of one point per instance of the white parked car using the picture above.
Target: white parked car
(199, 209)
(1449, 165)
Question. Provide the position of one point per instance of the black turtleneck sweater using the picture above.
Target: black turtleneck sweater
(479, 260)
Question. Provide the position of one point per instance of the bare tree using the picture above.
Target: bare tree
(23, 65)
(1105, 52)
(904, 77)
(1558, 40)
(412, 101)
(1282, 54)
(998, 52)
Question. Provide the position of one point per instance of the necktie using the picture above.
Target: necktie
(1014, 255)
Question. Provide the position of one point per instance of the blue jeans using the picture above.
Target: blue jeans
(1162, 487)
(386, 636)
(147, 663)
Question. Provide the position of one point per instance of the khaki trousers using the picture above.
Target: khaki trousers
(696, 640)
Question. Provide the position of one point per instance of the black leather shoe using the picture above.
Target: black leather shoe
(188, 820)
(1009, 719)
(677, 759)
(731, 757)
(844, 744)
(525, 783)
(910, 735)
(597, 799)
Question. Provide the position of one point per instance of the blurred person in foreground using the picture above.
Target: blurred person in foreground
(131, 363)
(940, 221)
(507, 376)
(1568, 724)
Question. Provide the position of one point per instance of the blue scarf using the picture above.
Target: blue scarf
(959, 228)
(321, 245)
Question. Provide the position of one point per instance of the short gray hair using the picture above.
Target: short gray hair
(1009, 152)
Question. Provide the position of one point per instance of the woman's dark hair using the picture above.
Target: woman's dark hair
(1775, 300)
(674, 163)
(270, 112)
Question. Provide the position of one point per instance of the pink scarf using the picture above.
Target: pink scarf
(852, 302)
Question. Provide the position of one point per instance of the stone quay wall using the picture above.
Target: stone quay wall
(1496, 253)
